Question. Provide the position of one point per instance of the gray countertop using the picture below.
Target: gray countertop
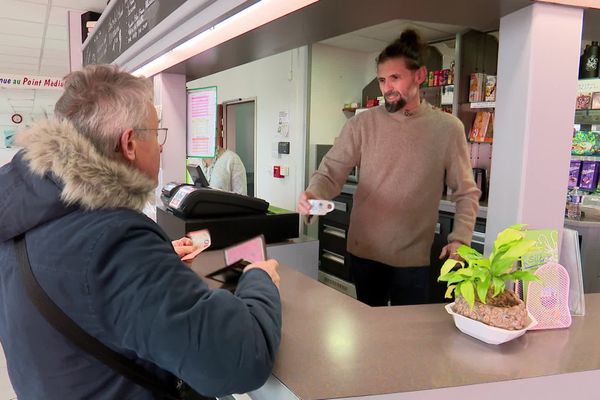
(334, 346)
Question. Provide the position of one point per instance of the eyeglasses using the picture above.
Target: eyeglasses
(161, 134)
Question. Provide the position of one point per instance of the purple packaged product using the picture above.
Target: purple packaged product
(574, 173)
(589, 175)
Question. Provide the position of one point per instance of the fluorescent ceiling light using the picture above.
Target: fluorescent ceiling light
(249, 18)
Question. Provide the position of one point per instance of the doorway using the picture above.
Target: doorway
(239, 134)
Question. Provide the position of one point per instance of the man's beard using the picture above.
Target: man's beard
(394, 106)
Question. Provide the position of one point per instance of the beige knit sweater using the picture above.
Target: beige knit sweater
(402, 158)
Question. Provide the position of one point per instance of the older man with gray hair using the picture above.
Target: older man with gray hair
(70, 211)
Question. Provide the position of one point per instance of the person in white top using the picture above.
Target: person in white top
(225, 171)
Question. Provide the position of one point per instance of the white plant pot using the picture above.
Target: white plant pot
(487, 333)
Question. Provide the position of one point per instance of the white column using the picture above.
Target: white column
(75, 51)
(537, 84)
(170, 97)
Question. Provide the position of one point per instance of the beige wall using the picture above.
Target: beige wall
(338, 76)
(277, 83)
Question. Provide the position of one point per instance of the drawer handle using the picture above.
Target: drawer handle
(330, 230)
(478, 237)
(340, 206)
(336, 258)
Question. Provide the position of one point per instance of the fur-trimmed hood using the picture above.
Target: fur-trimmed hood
(59, 170)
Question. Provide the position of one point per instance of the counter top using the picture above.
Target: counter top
(334, 346)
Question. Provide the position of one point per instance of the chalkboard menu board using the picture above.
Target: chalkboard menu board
(126, 22)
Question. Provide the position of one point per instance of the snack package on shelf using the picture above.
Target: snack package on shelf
(574, 173)
(596, 101)
(589, 175)
(490, 88)
(476, 87)
(584, 101)
(585, 143)
(489, 135)
(481, 130)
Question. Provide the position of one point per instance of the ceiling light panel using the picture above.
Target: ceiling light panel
(13, 60)
(24, 41)
(53, 44)
(20, 94)
(57, 32)
(19, 51)
(23, 28)
(91, 5)
(20, 103)
(27, 11)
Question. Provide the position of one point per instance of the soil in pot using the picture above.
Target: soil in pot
(504, 311)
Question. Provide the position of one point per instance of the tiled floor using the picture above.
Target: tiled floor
(6, 391)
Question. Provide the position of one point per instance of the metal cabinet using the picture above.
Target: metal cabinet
(333, 230)
(443, 228)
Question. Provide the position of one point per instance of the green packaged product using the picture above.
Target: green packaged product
(585, 143)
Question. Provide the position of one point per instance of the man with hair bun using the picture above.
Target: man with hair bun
(406, 150)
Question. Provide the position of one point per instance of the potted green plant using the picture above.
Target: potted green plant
(479, 284)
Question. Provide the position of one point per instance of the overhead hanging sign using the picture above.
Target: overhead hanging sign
(24, 81)
(201, 122)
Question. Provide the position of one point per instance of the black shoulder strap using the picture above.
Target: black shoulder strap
(68, 328)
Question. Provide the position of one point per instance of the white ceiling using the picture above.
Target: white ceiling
(34, 40)
(375, 38)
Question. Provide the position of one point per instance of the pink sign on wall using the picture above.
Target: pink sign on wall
(202, 122)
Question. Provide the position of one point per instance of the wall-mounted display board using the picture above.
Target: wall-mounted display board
(121, 25)
(201, 122)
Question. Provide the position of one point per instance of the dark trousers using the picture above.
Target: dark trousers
(377, 283)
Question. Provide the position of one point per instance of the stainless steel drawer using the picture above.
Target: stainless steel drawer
(332, 238)
(341, 213)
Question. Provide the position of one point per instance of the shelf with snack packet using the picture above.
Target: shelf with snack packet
(483, 104)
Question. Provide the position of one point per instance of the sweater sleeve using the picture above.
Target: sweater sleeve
(154, 305)
(328, 180)
(459, 177)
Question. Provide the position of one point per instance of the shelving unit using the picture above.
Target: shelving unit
(474, 142)
(483, 104)
(586, 158)
(587, 117)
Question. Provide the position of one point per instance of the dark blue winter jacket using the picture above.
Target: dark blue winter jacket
(114, 272)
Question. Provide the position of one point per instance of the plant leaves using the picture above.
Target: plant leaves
(482, 289)
(457, 291)
(484, 263)
(448, 265)
(455, 278)
(518, 227)
(468, 272)
(467, 291)
(469, 254)
(518, 250)
(481, 273)
(525, 276)
(448, 294)
(507, 236)
(499, 286)
(502, 266)
(452, 277)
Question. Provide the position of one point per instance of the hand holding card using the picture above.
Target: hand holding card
(242, 257)
(320, 207)
(252, 250)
